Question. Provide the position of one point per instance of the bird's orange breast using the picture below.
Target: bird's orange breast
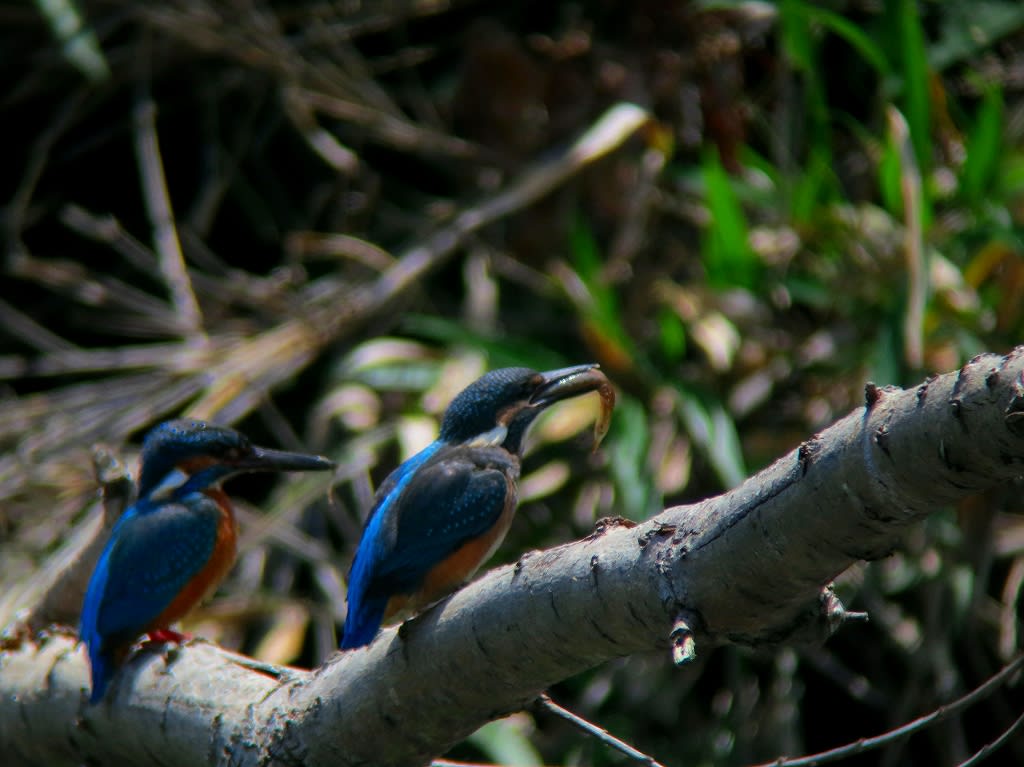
(212, 573)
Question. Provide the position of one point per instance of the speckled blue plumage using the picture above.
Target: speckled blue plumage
(425, 511)
(154, 550)
(451, 493)
(163, 554)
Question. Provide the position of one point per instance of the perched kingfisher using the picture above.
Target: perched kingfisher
(442, 513)
(175, 544)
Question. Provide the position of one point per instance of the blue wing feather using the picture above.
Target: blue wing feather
(448, 505)
(153, 552)
(365, 613)
(426, 510)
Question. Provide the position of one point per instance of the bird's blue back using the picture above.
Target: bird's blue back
(176, 542)
(365, 610)
(425, 511)
(154, 550)
(439, 515)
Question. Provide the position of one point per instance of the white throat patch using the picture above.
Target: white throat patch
(174, 479)
(491, 438)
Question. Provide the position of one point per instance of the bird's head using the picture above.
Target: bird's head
(499, 407)
(203, 454)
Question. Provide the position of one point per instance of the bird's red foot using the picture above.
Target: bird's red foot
(160, 636)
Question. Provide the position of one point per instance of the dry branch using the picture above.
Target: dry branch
(751, 566)
(232, 376)
(62, 588)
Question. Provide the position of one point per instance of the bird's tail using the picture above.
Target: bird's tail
(362, 622)
(103, 663)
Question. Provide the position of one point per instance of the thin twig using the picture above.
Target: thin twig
(249, 371)
(545, 702)
(990, 748)
(390, 129)
(450, 763)
(869, 744)
(60, 586)
(1008, 632)
(90, 288)
(606, 134)
(37, 159)
(224, 285)
(25, 329)
(161, 217)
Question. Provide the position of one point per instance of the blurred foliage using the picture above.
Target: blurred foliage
(739, 271)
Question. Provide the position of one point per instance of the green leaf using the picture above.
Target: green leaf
(505, 742)
(628, 447)
(800, 42)
(502, 351)
(1011, 174)
(796, 38)
(728, 258)
(672, 335)
(814, 186)
(885, 359)
(889, 179)
(588, 263)
(852, 34)
(966, 29)
(713, 431)
(917, 107)
(984, 147)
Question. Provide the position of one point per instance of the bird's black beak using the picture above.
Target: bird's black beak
(264, 459)
(566, 383)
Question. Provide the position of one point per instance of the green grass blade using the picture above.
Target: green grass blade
(984, 146)
(603, 314)
(502, 350)
(796, 40)
(628, 446)
(728, 258)
(915, 76)
(852, 34)
(714, 432)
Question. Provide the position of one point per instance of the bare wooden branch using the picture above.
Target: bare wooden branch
(750, 566)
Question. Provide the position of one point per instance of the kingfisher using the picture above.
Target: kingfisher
(175, 544)
(443, 512)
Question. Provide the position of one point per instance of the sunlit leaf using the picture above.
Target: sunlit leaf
(714, 432)
(507, 742)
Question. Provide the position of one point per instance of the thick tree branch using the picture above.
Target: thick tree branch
(750, 567)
